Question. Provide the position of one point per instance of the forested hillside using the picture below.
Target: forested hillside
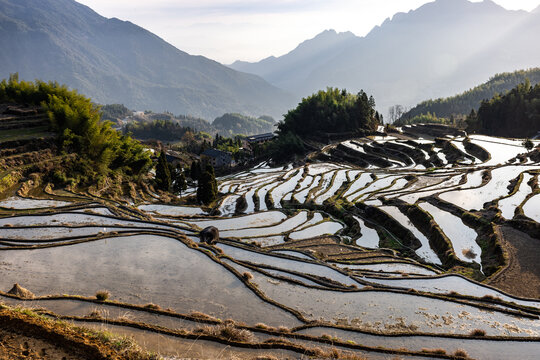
(516, 114)
(232, 124)
(171, 128)
(463, 103)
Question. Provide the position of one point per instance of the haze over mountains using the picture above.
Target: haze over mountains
(290, 70)
(437, 50)
(440, 49)
(114, 61)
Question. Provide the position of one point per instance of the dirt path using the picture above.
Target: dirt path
(522, 276)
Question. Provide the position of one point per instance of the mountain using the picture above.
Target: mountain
(114, 61)
(434, 51)
(463, 103)
(288, 71)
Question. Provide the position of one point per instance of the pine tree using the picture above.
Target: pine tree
(179, 180)
(207, 187)
(210, 170)
(163, 174)
(195, 171)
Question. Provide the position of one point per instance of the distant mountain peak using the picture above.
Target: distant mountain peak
(444, 8)
(332, 32)
(326, 38)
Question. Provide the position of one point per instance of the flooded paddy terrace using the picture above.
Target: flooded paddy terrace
(383, 256)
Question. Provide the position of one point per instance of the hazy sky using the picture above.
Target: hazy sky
(228, 30)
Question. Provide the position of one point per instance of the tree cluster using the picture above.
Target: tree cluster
(168, 177)
(330, 111)
(429, 118)
(114, 112)
(233, 124)
(516, 114)
(158, 129)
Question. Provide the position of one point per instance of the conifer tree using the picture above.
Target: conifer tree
(195, 171)
(179, 180)
(207, 187)
(163, 174)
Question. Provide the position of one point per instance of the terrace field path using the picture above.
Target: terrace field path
(522, 275)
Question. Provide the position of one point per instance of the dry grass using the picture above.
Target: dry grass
(218, 250)
(460, 353)
(95, 314)
(338, 354)
(478, 332)
(334, 354)
(200, 315)
(228, 332)
(434, 351)
(232, 333)
(284, 329)
(277, 341)
(103, 295)
(468, 253)
(152, 306)
(247, 276)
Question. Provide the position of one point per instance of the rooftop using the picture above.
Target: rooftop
(215, 153)
(260, 137)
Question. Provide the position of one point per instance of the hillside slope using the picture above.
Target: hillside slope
(114, 61)
(463, 103)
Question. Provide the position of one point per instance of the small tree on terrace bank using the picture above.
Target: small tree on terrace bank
(207, 187)
(163, 174)
(179, 183)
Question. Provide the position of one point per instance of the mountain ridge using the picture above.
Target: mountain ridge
(433, 51)
(115, 61)
(298, 62)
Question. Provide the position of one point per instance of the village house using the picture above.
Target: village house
(217, 158)
(261, 138)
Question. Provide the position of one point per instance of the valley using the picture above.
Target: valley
(302, 222)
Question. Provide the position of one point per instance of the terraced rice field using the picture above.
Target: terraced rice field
(360, 257)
